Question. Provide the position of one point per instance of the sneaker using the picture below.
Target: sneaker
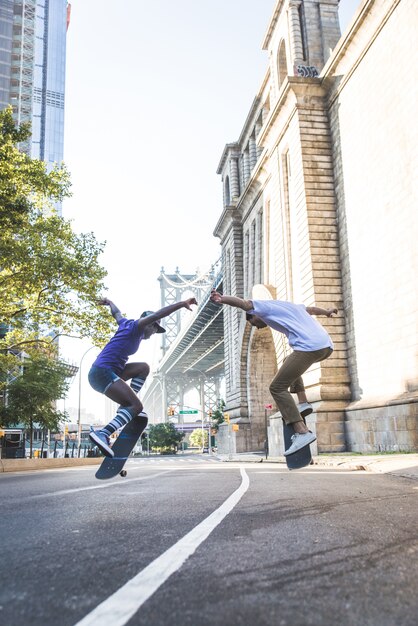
(102, 441)
(305, 409)
(300, 440)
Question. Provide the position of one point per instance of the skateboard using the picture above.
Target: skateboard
(123, 446)
(300, 458)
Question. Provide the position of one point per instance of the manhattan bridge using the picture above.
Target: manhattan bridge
(192, 348)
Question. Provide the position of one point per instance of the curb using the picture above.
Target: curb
(405, 466)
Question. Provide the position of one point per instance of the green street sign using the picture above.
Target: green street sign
(193, 411)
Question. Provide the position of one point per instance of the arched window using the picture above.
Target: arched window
(227, 192)
(281, 63)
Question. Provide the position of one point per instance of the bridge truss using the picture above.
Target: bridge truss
(175, 287)
(193, 355)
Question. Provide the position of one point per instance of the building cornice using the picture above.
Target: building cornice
(230, 147)
(272, 24)
(229, 215)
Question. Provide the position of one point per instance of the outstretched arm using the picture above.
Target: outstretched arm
(113, 308)
(217, 298)
(165, 312)
(316, 310)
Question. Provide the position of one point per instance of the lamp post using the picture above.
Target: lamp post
(79, 402)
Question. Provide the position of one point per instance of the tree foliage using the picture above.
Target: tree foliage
(50, 277)
(199, 438)
(31, 395)
(164, 437)
(218, 415)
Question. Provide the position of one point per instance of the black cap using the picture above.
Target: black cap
(146, 313)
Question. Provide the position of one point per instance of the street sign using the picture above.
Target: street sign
(190, 412)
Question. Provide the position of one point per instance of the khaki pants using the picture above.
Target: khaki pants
(290, 376)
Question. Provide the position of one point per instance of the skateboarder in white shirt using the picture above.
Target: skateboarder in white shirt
(310, 343)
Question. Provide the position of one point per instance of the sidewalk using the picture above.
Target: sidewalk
(405, 465)
(24, 465)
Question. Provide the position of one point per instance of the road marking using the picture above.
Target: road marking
(91, 487)
(124, 603)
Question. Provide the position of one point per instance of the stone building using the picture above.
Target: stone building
(320, 207)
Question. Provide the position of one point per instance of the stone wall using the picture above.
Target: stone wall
(335, 184)
(373, 107)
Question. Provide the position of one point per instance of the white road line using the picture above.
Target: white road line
(124, 603)
(101, 486)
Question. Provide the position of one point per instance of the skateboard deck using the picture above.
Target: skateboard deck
(123, 446)
(300, 458)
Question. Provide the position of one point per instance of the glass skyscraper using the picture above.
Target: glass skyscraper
(32, 71)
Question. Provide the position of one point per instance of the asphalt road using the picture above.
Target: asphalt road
(319, 546)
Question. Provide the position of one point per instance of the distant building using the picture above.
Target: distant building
(32, 71)
(6, 39)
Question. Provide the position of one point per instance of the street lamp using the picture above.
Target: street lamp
(79, 402)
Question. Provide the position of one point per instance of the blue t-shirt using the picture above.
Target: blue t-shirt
(301, 329)
(124, 342)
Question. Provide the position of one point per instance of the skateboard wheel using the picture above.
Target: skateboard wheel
(123, 473)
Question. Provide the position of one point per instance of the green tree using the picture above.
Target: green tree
(32, 393)
(198, 438)
(164, 438)
(218, 415)
(50, 277)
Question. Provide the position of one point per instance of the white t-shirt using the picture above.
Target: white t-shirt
(301, 329)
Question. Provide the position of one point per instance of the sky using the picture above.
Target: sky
(154, 91)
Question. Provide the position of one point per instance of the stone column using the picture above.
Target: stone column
(330, 26)
(295, 35)
(241, 172)
(327, 384)
(247, 168)
(252, 149)
(258, 127)
(234, 178)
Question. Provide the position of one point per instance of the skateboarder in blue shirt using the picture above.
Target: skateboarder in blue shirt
(110, 371)
(310, 342)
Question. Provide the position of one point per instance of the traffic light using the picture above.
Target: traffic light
(210, 412)
(170, 410)
(226, 417)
